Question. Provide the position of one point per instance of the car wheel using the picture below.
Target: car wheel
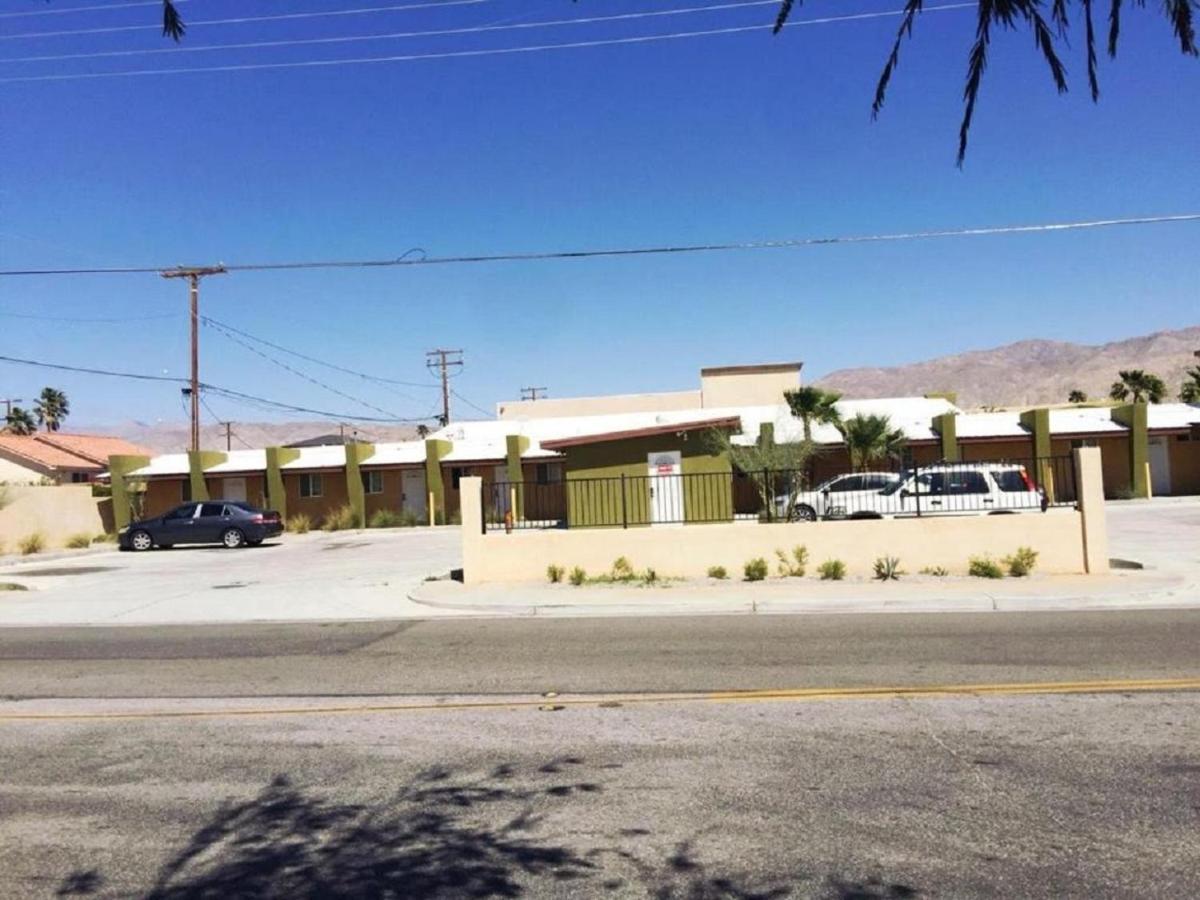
(141, 540)
(804, 513)
(233, 538)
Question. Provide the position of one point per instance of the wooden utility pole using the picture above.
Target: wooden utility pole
(8, 403)
(228, 435)
(193, 275)
(441, 362)
(533, 393)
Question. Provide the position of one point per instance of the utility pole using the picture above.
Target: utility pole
(193, 275)
(228, 434)
(532, 393)
(441, 362)
(8, 403)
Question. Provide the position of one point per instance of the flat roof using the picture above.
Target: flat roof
(756, 369)
(650, 431)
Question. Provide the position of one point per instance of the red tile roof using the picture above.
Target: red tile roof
(94, 447)
(81, 452)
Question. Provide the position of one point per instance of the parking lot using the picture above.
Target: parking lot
(338, 576)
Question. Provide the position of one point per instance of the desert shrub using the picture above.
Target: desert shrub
(936, 571)
(984, 567)
(341, 519)
(3, 496)
(832, 570)
(717, 572)
(795, 565)
(12, 586)
(386, 518)
(79, 541)
(554, 574)
(104, 538)
(622, 570)
(887, 568)
(578, 576)
(755, 569)
(32, 543)
(410, 519)
(650, 576)
(1022, 562)
(299, 523)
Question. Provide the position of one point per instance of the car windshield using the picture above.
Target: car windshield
(894, 486)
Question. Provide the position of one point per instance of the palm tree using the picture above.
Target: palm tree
(870, 439)
(1190, 392)
(1077, 396)
(19, 421)
(1139, 386)
(422, 431)
(811, 404)
(51, 407)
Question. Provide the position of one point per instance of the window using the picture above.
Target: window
(372, 482)
(1083, 442)
(211, 510)
(548, 473)
(456, 475)
(80, 478)
(310, 485)
(957, 483)
(1013, 481)
(181, 512)
(849, 483)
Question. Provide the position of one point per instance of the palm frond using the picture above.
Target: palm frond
(1058, 13)
(911, 10)
(1093, 78)
(976, 64)
(1180, 14)
(1114, 27)
(173, 26)
(785, 10)
(1045, 42)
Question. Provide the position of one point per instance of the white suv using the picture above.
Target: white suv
(950, 489)
(830, 499)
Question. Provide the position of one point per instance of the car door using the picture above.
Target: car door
(178, 526)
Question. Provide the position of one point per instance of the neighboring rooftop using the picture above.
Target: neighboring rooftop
(58, 452)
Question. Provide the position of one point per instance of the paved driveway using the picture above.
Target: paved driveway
(318, 576)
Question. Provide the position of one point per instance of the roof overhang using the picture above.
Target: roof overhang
(734, 422)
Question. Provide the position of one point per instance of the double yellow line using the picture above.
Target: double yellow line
(552, 702)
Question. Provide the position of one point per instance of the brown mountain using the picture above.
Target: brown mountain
(1027, 372)
(174, 438)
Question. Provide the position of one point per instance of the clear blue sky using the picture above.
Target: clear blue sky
(736, 137)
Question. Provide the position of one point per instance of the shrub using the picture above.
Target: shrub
(341, 519)
(578, 576)
(1022, 562)
(622, 570)
(983, 567)
(755, 569)
(650, 576)
(936, 571)
(717, 572)
(554, 574)
(796, 565)
(12, 586)
(386, 518)
(832, 570)
(79, 541)
(3, 496)
(104, 538)
(299, 523)
(410, 519)
(32, 543)
(887, 568)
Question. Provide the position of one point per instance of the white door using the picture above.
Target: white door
(1160, 466)
(234, 489)
(666, 486)
(412, 492)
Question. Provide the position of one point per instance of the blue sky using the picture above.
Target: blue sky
(723, 138)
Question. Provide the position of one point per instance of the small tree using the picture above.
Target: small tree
(1077, 396)
(769, 465)
(51, 407)
(811, 404)
(871, 439)
(1138, 386)
(1190, 391)
(19, 421)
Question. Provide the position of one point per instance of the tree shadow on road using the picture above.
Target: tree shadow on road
(444, 834)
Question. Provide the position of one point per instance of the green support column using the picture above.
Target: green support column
(119, 468)
(1038, 423)
(435, 449)
(356, 454)
(198, 461)
(515, 445)
(1133, 417)
(277, 458)
(946, 425)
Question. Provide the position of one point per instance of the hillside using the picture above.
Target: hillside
(173, 438)
(1033, 371)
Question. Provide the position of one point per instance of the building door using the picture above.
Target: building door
(413, 496)
(1160, 466)
(666, 486)
(234, 489)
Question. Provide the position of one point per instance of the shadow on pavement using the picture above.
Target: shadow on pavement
(443, 835)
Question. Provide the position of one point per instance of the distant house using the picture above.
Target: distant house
(60, 458)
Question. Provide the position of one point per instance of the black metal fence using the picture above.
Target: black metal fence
(942, 488)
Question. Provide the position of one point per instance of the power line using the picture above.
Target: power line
(458, 54)
(215, 389)
(591, 253)
(88, 320)
(473, 406)
(103, 7)
(244, 20)
(397, 35)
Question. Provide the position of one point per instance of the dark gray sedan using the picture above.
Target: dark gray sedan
(229, 523)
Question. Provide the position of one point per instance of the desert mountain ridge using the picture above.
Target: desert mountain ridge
(1027, 372)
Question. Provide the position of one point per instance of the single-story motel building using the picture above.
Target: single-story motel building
(1146, 449)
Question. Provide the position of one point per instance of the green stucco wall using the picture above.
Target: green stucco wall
(434, 451)
(356, 454)
(1037, 421)
(946, 425)
(515, 445)
(1133, 416)
(277, 457)
(198, 461)
(591, 502)
(118, 468)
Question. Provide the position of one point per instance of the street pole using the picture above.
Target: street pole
(193, 275)
(228, 435)
(8, 402)
(443, 361)
(533, 393)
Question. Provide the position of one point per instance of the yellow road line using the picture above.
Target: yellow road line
(796, 695)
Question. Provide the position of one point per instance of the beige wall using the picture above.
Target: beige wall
(57, 512)
(1067, 541)
(15, 473)
(748, 388)
(597, 406)
(334, 494)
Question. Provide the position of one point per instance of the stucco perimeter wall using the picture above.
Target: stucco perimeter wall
(57, 512)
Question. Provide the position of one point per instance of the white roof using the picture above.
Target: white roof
(1084, 420)
(990, 424)
(167, 464)
(331, 456)
(241, 461)
(399, 453)
(1172, 415)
